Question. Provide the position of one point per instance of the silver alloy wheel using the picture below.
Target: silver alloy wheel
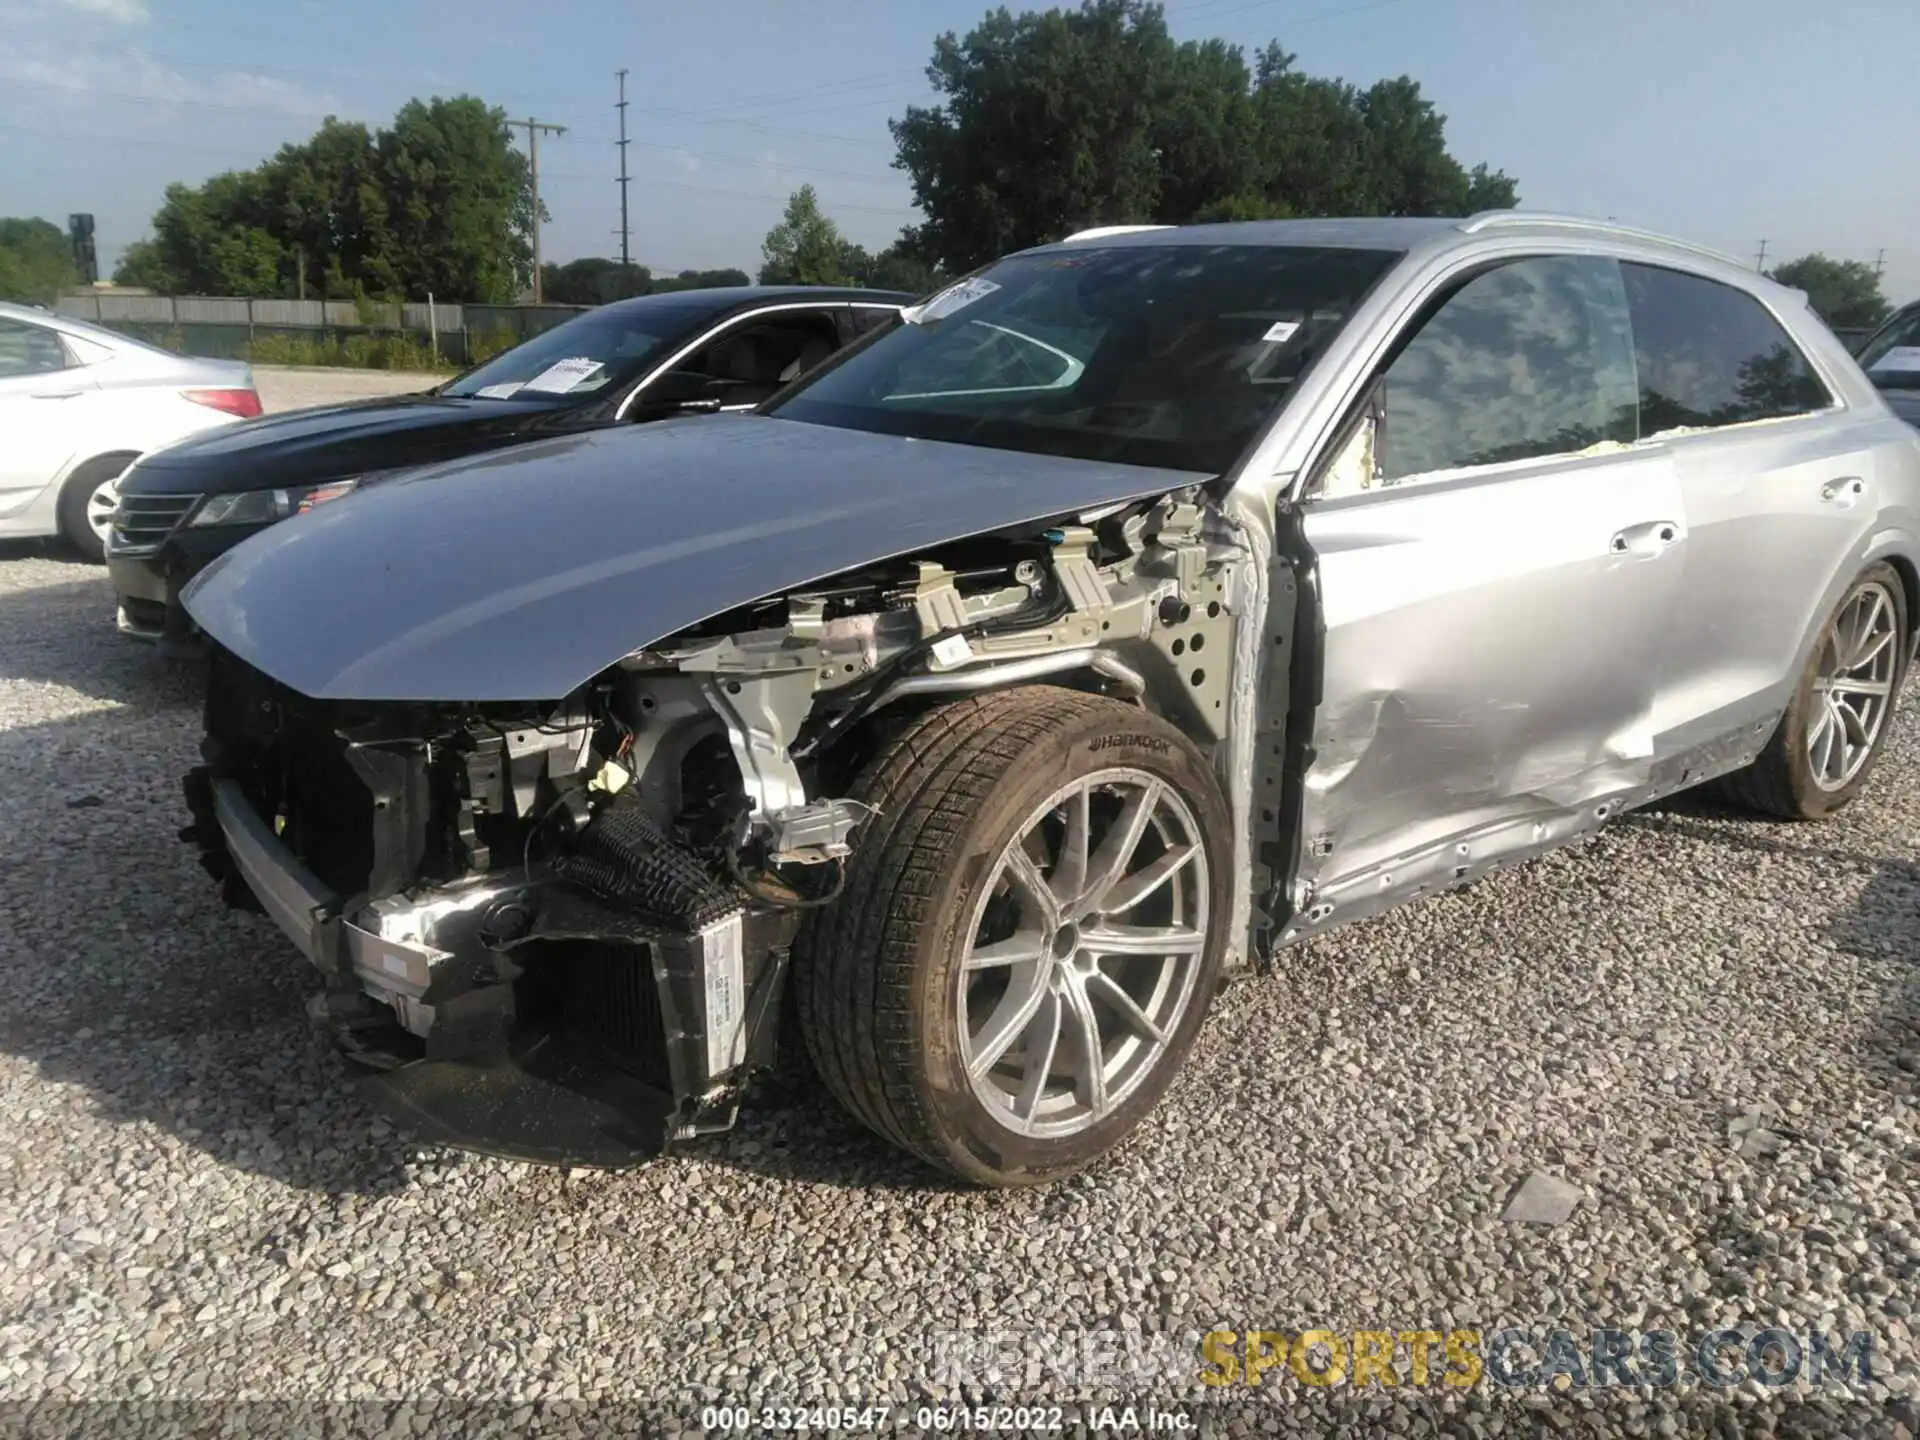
(101, 505)
(1852, 686)
(1083, 953)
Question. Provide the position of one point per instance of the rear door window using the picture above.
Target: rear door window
(1530, 359)
(1710, 355)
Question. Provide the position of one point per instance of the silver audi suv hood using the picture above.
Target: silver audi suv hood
(521, 574)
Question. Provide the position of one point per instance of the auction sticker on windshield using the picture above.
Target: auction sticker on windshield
(954, 297)
(1902, 358)
(562, 376)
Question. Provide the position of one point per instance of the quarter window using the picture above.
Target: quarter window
(1709, 355)
(1533, 358)
(29, 349)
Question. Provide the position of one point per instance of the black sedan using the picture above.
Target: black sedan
(644, 359)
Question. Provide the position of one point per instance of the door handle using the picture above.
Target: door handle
(55, 394)
(1843, 491)
(1645, 540)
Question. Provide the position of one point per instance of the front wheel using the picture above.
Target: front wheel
(1030, 935)
(1825, 745)
(87, 503)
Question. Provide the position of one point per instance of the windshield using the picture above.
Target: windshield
(1892, 357)
(1169, 356)
(588, 354)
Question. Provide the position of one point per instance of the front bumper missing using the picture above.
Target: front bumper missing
(455, 1006)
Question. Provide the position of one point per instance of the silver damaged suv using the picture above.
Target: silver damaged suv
(1121, 614)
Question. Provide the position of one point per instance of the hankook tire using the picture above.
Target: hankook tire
(1826, 743)
(1031, 932)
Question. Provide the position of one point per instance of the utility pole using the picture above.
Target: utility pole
(533, 128)
(1880, 263)
(625, 233)
(1760, 262)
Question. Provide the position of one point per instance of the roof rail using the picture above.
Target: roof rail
(1496, 219)
(1100, 232)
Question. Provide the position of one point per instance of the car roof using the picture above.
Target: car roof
(27, 312)
(1423, 238)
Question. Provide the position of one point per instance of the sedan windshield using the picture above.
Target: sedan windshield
(1171, 355)
(1892, 357)
(584, 356)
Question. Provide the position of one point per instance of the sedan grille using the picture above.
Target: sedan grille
(143, 522)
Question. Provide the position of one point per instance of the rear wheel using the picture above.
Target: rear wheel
(87, 503)
(1030, 936)
(1826, 744)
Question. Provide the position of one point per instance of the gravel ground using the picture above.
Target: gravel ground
(288, 387)
(195, 1204)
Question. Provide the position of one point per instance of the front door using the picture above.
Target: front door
(1497, 566)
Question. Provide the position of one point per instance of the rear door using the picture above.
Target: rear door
(40, 389)
(1497, 570)
(1778, 486)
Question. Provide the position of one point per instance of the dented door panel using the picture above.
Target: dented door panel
(1492, 653)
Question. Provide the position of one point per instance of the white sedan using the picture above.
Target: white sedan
(79, 404)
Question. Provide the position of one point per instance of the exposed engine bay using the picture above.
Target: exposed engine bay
(561, 930)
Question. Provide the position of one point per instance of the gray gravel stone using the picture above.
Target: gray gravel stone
(195, 1204)
(1543, 1199)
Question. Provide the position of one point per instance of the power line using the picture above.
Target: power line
(766, 164)
(534, 128)
(1213, 11)
(132, 97)
(647, 182)
(626, 233)
(137, 99)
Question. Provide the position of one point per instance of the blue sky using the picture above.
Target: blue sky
(1726, 121)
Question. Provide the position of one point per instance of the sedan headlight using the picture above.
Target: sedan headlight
(263, 507)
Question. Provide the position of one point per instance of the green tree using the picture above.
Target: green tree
(459, 201)
(211, 240)
(36, 261)
(700, 280)
(1844, 293)
(898, 267)
(806, 247)
(142, 267)
(1053, 120)
(438, 202)
(330, 206)
(593, 281)
(1046, 125)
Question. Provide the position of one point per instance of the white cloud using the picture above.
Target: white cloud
(120, 12)
(127, 76)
